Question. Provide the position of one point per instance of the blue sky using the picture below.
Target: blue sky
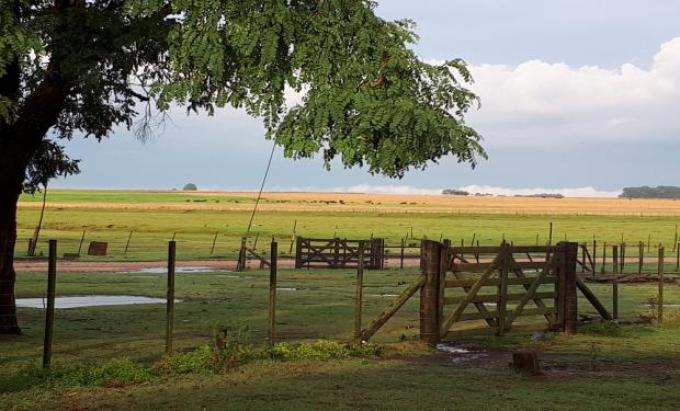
(575, 94)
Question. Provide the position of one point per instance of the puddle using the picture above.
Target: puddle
(286, 289)
(383, 295)
(452, 349)
(89, 301)
(460, 354)
(178, 270)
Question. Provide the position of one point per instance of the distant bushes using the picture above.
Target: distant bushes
(190, 187)
(651, 192)
(453, 192)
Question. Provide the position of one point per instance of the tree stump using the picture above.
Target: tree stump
(526, 362)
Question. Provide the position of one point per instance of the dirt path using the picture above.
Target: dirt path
(132, 266)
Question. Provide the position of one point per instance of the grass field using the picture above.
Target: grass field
(195, 218)
(111, 357)
(634, 366)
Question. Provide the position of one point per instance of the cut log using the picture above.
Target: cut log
(526, 362)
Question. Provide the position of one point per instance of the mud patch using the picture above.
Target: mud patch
(89, 301)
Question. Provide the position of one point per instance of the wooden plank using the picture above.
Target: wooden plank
(492, 298)
(529, 295)
(392, 309)
(494, 314)
(469, 282)
(474, 289)
(549, 261)
(502, 304)
(517, 249)
(479, 305)
(262, 260)
(592, 299)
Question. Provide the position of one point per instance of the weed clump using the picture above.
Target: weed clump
(603, 329)
(114, 373)
(228, 354)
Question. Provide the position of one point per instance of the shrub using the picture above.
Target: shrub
(322, 350)
(604, 328)
(200, 361)
(115, 372)
(190, 187)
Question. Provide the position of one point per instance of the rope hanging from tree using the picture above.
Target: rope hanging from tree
(259, 194)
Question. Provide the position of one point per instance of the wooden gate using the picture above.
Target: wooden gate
(496, 284)
(338, 253)
(505, 283)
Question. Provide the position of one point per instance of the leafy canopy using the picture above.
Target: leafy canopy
(366, 97)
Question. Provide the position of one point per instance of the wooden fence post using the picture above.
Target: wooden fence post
(80, 245)
(641, 256)
(401, 255)
(567, 298)
(298, 252)
(127, 243)
(212, 249)
(594, 257)
(49, 312)
(170, 298)
(677, 257)
(502, 297)
(615, 259)
(604, 257)
(430, 265)
(615, 298)
(660, 270)
(359, 294)
(241, 264)
(550, 233)
(272, 292)
(623, 258)
(583, 257)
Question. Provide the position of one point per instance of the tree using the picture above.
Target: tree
(189, 187)
(49, 162)
(84, 67)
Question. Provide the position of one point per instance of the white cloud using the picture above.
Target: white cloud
(538, 103)
(567, 192)
(472, 189)
(389, 189)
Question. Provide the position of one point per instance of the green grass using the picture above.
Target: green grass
(195, 228)
(135, 197)
(106, 357)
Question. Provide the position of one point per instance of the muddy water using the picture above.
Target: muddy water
(90, 301)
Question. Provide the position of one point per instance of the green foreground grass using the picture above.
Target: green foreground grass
(631, 367)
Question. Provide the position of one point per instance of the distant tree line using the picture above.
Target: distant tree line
(651, 192)
(541, 195)
(453, 192)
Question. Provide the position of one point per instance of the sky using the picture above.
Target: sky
(580, 97)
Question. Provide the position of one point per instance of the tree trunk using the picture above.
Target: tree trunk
(8, 235)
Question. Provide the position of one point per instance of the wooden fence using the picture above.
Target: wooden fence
(339, 253)
(498, 285)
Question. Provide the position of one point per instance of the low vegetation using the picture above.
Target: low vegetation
(112, 357)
